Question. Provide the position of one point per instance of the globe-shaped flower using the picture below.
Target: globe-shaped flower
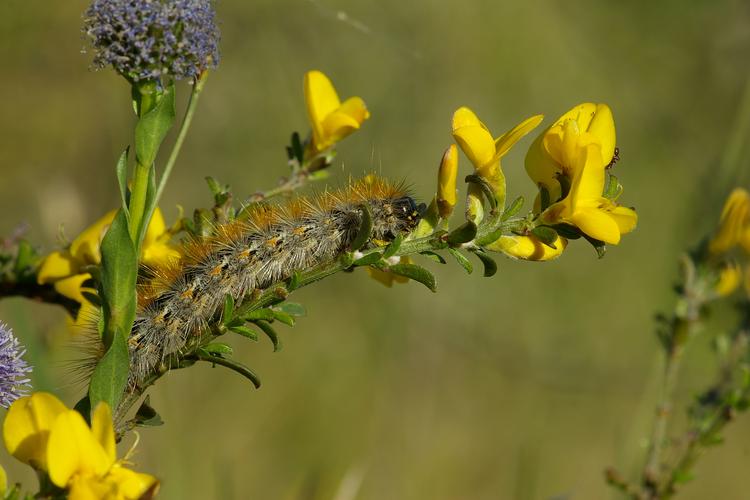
(13, 369)
(152, 39)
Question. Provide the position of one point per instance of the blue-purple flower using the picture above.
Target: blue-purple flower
(14, 370)
(153, 39)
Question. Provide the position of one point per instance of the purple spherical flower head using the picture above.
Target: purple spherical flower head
(151, 39)
(13, 369)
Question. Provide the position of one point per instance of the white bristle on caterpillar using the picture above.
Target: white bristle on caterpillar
(269, 246)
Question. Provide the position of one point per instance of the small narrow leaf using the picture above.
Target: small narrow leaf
(461, 259)
(244, 331)
(393, 247)
(599, 246)
(513, 209)
(266, 314)
(487, 190)
(152, 127)
(369, 259)
(297, 149)
(436, 257)
(232, 365)
(292, 308)
(146, 416)
(365, 229)
(283, 317)
(226, 317)
(544, 198)
(567, 231)
(490, 266)
(119, 270)
(416, 273)
(546, 235)
(271, 334)
(462, 234)
(294, 281)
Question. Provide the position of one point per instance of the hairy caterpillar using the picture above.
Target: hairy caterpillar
(254, 254)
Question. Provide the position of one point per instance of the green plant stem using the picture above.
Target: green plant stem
(137, 205)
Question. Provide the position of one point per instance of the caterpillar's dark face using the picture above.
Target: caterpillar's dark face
(406, 209)
(394, 216)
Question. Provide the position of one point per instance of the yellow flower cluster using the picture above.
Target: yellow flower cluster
(568, 161)
(733, 233)
(66, 269)
(42, 432)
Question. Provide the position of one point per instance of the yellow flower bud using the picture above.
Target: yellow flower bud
(528, 248)
(446, 192)
(388, 278)
(730, 277)
(734, 225)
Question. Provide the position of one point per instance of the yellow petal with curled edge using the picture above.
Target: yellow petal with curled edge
(73, 450)
(465, 117)
(602, 126)
(512, 136)
(131, 484)
(336, 126)
(156, 228)
(356, 108)
(85, 248)
(527, 248)
(321, 100)
(596, 223)
(55, 266)
(103, 431)
(730, 277)
(91, 488)
(446, 189)
(27, 427)
(734, 223)
(625, 218)
(588, 180)
(477, 144)
(72, 287)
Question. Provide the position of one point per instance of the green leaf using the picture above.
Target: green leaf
(244, 331)
(436, 257)
(599, 246)
(25, 257)
(292, 308)
(283, 317)
(214, 186)
(265, 313)
(393, 247)
(294, 281)
(146, 416)
(122, 179)
(228, 313)
(83, 406)
(297, 150)
(490, 266)
(365, 229)
(416, 273)
(462, 234)
(119, 272)
(271, 334)
(217, 348)
(567, 231)
(153, 126)
(369, 259)
(461, 260)
(682, 476)
(487, 190)
(150, 203)
(232, 365)
(513, 209)
(612, 189)
(544, 198)
(110, 376)
(546, 235)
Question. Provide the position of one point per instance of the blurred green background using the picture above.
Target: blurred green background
(524, 386)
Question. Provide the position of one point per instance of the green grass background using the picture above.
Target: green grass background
(524, 386)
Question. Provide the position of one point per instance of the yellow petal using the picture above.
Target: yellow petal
(73, 450)
(156, 228)
(72, 287)
(27, 426)
(589, 176)
(582, 113)
(477, 144)
(91, 488)
(55, 266)
(602, 127)
(321, 100)
(734, 222)
(509, 138)
(730, 277)
(130, 484)
(159, 255)
(356, 108)
(596, 223)
(540, 166)
(625, 218)
(336, 126)
(527, 248)
(103, 431)
(85, 248)
(465, 117)
(446, 191)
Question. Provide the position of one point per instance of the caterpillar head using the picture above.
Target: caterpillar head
(394, 216)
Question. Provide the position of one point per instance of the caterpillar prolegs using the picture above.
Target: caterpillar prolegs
(260, 251)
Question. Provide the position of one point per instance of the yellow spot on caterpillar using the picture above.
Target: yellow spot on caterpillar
(216, 270)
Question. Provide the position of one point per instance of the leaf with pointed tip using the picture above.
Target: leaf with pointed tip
(292, 308)
(122, 179)
(244, 331)
(513, 209)
(228, 313)
(393, 247)
(416, 273)
(436, 257)
(271, 334)
(546, 235)
(283, 317)
(461, 259)
(265, 314)
(111, 373)
(218, 349)
(146, 416)
(365, 229)
(462, 234)
(487, 190)
(490, 266)
(369, 259)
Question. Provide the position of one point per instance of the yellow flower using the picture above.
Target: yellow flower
(483, 151)
(446, 192)
(64, 269)
(527, 248)
(729, 279)
(330, 119)
(556, 150)
(734, 225)
(388, 278)
(585, 207)
(41, 431)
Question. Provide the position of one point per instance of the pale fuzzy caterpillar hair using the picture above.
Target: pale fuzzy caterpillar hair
(256, 253)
